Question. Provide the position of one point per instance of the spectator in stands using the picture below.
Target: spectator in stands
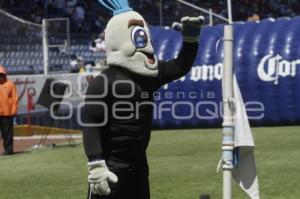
(37, 14)
(49, 8)
(70, 6)
(88, 21)
(81, 64)
(77, 64)
(98, 45)
(254, 17)
(60, 4)
(79, 15)
(98, 25)
(74, 66)
(8, 110)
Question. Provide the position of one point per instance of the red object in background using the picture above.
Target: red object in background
(30, 103)
(30, 106)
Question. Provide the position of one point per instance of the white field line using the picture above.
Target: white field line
(52, 137)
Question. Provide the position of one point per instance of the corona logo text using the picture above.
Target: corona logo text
(207, 72)
(272, 67)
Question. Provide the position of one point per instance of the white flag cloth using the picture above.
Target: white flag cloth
(244, 172)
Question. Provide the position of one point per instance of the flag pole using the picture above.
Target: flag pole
(229, 11)
(228, 104)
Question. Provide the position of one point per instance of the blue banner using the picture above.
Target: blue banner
(267, 66)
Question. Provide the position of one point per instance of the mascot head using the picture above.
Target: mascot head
(128, 40)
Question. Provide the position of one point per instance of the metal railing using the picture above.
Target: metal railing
(209, 12)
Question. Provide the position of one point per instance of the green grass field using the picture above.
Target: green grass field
(182, 163)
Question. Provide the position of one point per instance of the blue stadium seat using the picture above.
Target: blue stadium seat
(24, 54)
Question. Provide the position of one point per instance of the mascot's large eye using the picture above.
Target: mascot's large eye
(139, 37)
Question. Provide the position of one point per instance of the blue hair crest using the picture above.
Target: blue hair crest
(116, 6)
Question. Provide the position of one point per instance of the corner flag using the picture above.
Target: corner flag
(244, 170)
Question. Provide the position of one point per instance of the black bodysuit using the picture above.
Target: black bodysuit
(125, 134)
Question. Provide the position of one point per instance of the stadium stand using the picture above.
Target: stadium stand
(94, 17)
(21, 50)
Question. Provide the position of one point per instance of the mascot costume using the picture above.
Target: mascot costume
(119, 102)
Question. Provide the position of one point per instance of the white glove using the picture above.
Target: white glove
(190, 28)
(99, 176)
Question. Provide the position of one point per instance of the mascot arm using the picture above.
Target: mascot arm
(93, 118)
(176, 68)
